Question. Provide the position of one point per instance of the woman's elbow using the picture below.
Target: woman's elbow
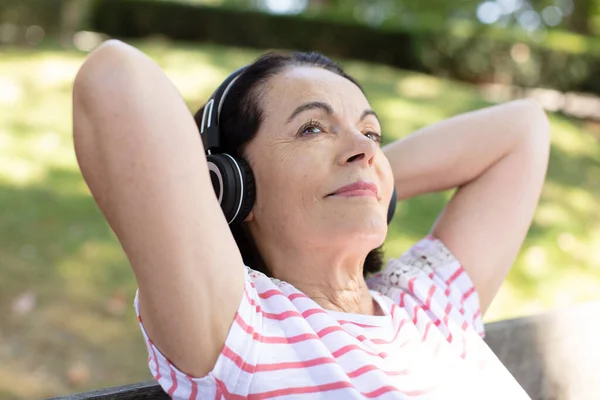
(537, 122)
(535, 143)
(103, 67)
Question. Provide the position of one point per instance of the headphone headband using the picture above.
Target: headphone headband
(209, 126)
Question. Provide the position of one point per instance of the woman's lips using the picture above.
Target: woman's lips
(358, 192)
(360, 188)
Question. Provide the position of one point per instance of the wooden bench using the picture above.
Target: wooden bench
(554, 356)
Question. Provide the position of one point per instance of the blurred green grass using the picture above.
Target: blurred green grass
(66, 317)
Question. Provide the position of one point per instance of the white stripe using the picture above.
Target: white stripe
(212, 167)
(207, 107)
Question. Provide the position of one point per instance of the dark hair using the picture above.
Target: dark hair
(240, 119)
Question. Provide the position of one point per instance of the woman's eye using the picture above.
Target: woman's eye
(312, 129)
(375, 136)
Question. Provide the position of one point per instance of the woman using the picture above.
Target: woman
(278, 306)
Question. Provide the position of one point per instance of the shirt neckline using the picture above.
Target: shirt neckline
(365, 319)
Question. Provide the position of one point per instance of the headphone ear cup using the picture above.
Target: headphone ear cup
(249, 191)
(233, 183)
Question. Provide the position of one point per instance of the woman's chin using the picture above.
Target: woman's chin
(368, 226)
(367, 217)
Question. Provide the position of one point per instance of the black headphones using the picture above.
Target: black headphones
(231, 177)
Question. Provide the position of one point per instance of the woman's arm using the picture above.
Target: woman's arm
(141, 155)
(497, 157)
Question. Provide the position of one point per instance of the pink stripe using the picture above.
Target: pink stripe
(239, 361)
(290, 340)
(222, 392)
(281, 316)
(370, 367)
(380, 391)
(427, 328)
(455, 275)
(468, 293)
(273, 339)
(270, 293)
(304, 336)
(362, 370)
(465, 325)
(361, 338)
(429, 296)
(158, 375)
(415, 312)
(381, 341)
(248, 298)
(218, 392)
(312, 311)
(447, 311)
(475, 316)
(342, 322)
(295, 296)
(275, 292)
(346, 349)
(174, 379)
(402, 299)
(411, 284)
(294, 364)
(446, 318)
(326, 331)
(194, 388)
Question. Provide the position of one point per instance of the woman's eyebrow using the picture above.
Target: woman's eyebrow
(327, 108)
(310, 106)
(369, 112)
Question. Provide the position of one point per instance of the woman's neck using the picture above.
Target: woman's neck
(362, 304)
(330, 275)
(353, 297)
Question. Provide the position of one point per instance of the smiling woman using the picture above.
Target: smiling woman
(275, 301)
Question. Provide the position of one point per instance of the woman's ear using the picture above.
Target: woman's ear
(249, 217)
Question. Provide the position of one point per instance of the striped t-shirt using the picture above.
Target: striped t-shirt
(283, 345)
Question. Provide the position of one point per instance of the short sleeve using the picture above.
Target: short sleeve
(235, 364)
(430, 276)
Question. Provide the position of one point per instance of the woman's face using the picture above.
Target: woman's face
(318, 134)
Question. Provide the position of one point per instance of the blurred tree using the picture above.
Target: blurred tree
(530, 15)
(579, 20)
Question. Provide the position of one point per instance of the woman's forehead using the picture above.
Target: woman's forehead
(299, 85)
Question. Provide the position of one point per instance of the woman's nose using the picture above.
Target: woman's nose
(359, 149)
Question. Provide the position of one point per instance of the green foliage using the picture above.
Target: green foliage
(473, 53)
(45, 13)
(433, 41)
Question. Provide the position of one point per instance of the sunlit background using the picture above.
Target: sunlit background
(66, 290)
